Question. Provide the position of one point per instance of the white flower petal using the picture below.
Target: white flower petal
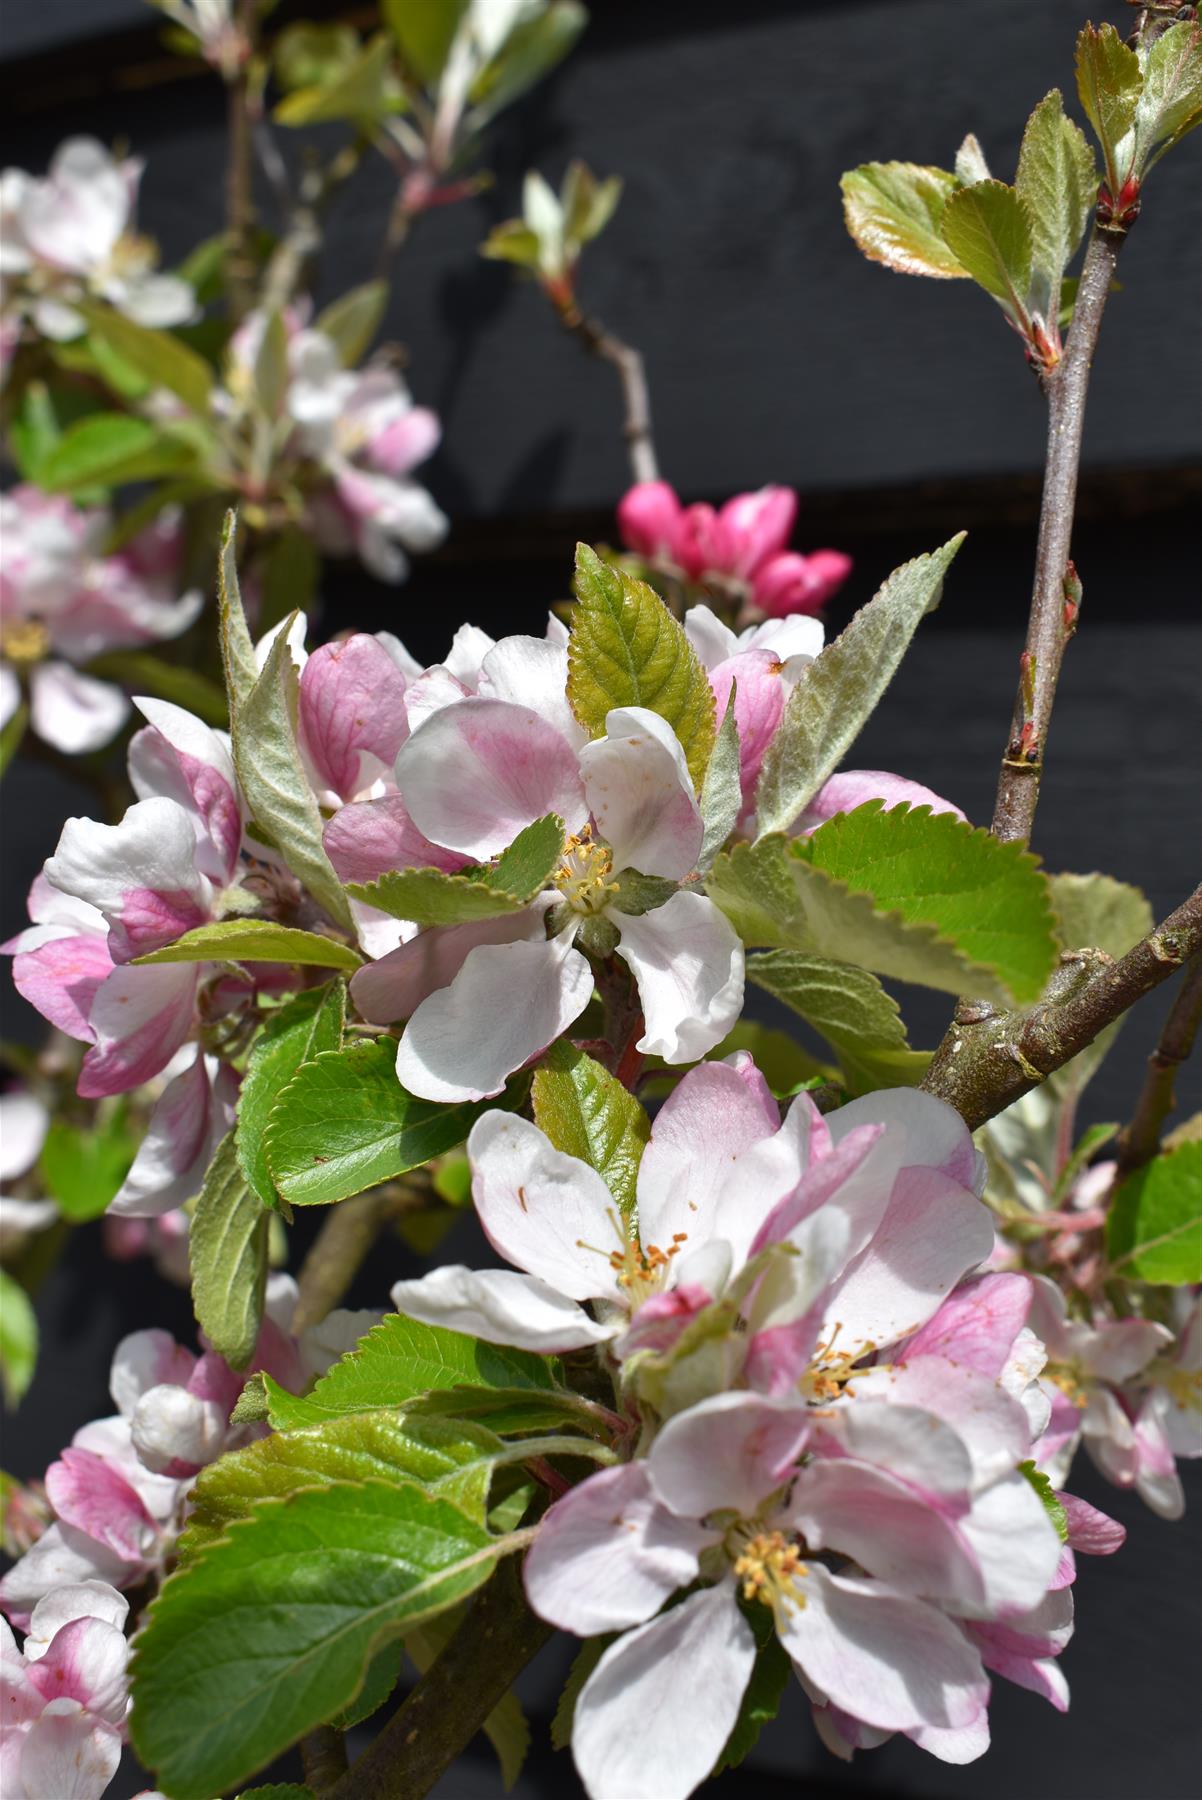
(500, 1307)
(24, 1122)
(688, 963)
(544, 1211)
(730, 1451)
(74, 712)
(640, 793)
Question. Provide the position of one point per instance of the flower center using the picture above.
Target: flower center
(24, 641)
(1183, 1386)
(641, 1271)
(830, 1372)
(583, 877)
(1068, 1380)
(770, 1569)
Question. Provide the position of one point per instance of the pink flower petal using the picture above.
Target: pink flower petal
(730, 1451)
(90, 1494)
(640, 793)
(709, 1120)
(395, 986)
(352, 718)
(61, 977)
(140, 1017)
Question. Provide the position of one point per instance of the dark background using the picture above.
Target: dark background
(902, 411)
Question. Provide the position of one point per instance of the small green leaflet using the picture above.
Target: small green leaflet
(424, 31)
(345, 1123)
(1154, 1232)
(1051, 1502)
(165, 361)
(842, 687)
(721, 798)
(990, 899)
(1170, 104)
(626, 649)
(851, 1010)
(398, 1361)
(587, 1113)
(1095, 911)
(432, 897)
(764, 1693)
(1109, 82)
(362, 90)
(1057, 181)
(255, 940)
(227, 1247)
(383, 1672)
(18, 1338)
(351, 321)
(273, 779)
(237, 650)
(83, 1168)
(894, 211)
(988, 229)
(583, 1664)
(306, 1026)
(445, 1457)
(272, 1630)
(106, 449)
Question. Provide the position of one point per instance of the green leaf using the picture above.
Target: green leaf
(842, 686)
(721, 798)
(1058, 182)
(164, 360)
(83, 1169)
(432, 897)
(530, 51)
(272, 1630)
(1109, 82)
(144, 673)
(988, 229)
(764, 1692)
(587, 1113)
(583, 1664)
(504, 1410)
(227, 1247)
(587, 204)
(364, 90)
(273, 779)
(106, 449)
(18, 1338)
(278, 1790)
(255, 940)
(1098, 911)
(513, 241)
(271, 372)
(424, 31)
(444, 1456)
(1170, 104)
(290, 573)
(894, 211)
(782, 1062)
(851, 1010)
(1154, 1231)
(351, 321)
(308, 1025)
(308, 55)
(12, 734)
(777, 899)
(399, 1360)
(237, 650)
(345, 1123)
(383, 1672)
(1051, 1504)
(990, 899)
(626, 649)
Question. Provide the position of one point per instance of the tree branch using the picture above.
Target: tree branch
(636, 428)
(1053, 615)
(342, 1245)
(239, 180)
(323, 1757)
(988, 1060)
(496, 1639)
(1140, 1140)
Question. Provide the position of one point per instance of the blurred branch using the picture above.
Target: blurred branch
(636, 428)
(342, 1245)
(239, 186)
(1140, 1140)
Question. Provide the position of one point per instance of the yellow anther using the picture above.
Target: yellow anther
(770, 1569)
(1069, 1380)
(24, 641)
(583, 877)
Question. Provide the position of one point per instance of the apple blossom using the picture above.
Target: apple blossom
(740, 548)
(71, 232)
(63, 602)
(65, 1695)
(470, 778)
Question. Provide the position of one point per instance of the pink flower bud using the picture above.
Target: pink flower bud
(649, 519)
(752, 528)
(697, 542)
(790, 583)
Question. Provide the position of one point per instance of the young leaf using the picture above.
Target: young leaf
(504, 1410)
(1154, 1232)
(1109, 82)
(587, 1113)
(841, 687)
(1097, 910)
(990, 899)
(237, 650)
(851, 1010)
(255, 940)
(970, 161)
(626, 649)
(1052, 1505)
(398, 1361)
(780, 900)
(274, 782)
(272, 1630)
(227, 1247)
(83, 1169)
(721, 798)
(351, 321)
(164, 360)
(531, 50)
(450, 1458)
(583, 1664)
(363, 90)
(425, 31)
(345, 1123)
(764, 1692)
(106, 449)
(306, 1026)
(894, 211)
(18, 1338)
(988, 229)
(1170, 104)
(1058, 182)
(383, 1672)
(432, 897)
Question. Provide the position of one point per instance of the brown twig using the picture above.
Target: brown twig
(496, 1639)
(239, 180)
(1140, 1140)
(989, 1060)
(1053, 614)
(344, 1242)
(323, 1757)
(636, 427)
